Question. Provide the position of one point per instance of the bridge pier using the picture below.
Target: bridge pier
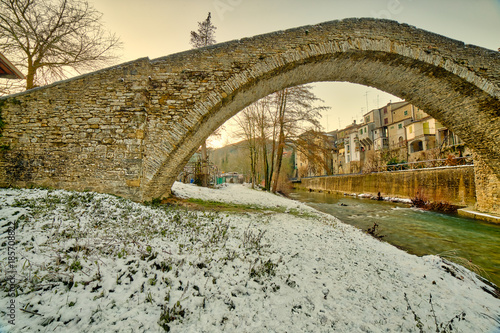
(487, 188)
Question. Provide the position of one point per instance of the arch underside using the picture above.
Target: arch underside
(443, 95)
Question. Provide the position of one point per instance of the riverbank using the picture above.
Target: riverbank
(469, 242)
(92, 262)
(473, 214)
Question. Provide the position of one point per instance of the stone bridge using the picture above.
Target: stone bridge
(130, 129)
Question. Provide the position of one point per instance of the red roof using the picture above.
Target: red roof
(7, 70)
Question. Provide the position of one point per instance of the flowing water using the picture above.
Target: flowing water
(457, 238)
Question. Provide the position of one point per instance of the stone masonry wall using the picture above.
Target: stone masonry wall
(130, 129)
(341, 51)
(85, 134)
(487, 188)
(455, 185)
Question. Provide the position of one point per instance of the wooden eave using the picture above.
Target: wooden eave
(9, 71)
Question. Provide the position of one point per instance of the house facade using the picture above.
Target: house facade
(396, 132)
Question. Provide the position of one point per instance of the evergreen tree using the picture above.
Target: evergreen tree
(203, 37)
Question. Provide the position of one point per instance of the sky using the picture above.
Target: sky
(156, 28)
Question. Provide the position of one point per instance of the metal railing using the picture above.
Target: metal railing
(428, 164)
(446, 162)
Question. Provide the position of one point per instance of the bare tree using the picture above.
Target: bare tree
(247, 124)
(205, 36)
(296, 110)
(47, 39)
(274, 122)
(8, 86)
(316, 147)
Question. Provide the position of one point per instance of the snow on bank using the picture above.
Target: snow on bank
(95, 263)
(236, 194)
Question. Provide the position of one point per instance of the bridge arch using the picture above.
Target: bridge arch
(137, 124)
(430, 71)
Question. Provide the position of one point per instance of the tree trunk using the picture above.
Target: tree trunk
(267, 181)
(273, 151)
(281, 139)
(252, 165)
(204, 165)
(30, 77)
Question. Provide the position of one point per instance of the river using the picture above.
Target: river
(416, 231)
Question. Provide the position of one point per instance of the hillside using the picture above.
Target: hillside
(235, 158)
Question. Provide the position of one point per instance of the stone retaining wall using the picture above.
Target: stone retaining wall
(452, 184)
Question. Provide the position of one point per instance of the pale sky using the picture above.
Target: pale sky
(156, 28)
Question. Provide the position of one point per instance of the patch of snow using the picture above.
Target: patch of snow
(96, 263)
(236, 194)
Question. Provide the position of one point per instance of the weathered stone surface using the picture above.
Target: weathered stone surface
(487, 187)
(141, 121)
(455, 185)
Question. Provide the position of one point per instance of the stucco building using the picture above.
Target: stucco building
(399, 131)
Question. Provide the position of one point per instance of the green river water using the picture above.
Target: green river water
(416, 231)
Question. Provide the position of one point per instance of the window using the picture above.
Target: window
(386, 121)
(361, 131)
(365, 129)
(367, 119)
(400, 126)
(426, 128)
(392, 127)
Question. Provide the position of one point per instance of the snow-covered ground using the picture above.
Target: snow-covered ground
(90, 262)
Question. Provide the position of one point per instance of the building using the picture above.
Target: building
(446, 138)
(7, 70)
(316, 154)
(397, 132)
(367, 130)
(351, 143)
(421, 134)
(402, 115)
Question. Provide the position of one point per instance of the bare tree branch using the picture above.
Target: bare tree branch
(50, 39)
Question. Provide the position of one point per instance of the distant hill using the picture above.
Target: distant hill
(232, 158)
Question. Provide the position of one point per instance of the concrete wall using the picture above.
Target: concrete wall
(453, 184)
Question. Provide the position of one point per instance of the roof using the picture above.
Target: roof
(7, 70)
(398, 105)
